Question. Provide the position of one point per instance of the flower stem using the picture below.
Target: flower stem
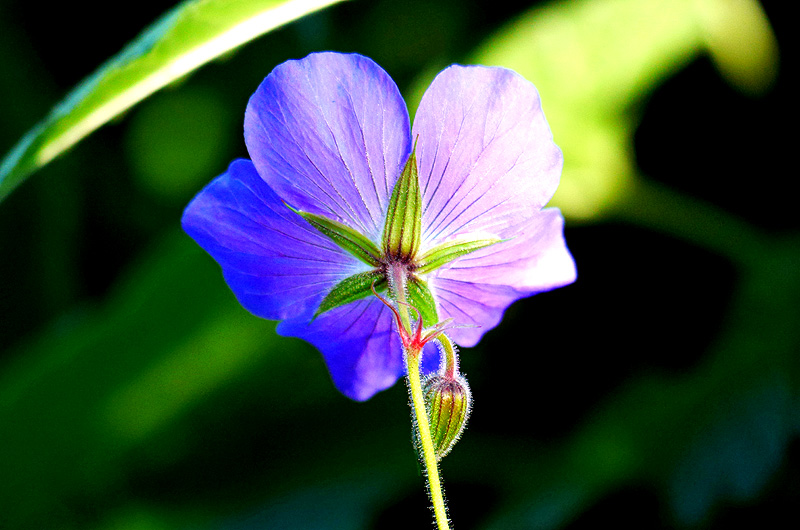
(424, 431)
(450, 357)
(397, 282)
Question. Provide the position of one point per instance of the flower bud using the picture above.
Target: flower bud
(448, 402)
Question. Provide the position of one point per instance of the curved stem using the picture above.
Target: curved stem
(450, 357)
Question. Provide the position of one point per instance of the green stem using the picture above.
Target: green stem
(424, 431)
(450, 357)
(398, 278)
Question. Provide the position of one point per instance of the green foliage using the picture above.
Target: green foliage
(176, 139)
(185, 38)
(593, 62)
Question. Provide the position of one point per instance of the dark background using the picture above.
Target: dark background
(585, 397)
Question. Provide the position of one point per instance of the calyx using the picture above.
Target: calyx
(400, 246)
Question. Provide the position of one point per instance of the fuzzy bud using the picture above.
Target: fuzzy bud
(448, 401)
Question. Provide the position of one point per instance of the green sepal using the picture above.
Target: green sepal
(403, 229)
(421, 297)
(344, 236)
(350, 289)
(448, 401)
(447, 252)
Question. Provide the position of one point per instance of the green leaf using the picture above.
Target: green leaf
(350, 289)
(421, 297)
(447, 252)
(403, 229)
(344, 236)
(185, 38)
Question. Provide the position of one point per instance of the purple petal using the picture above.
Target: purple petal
(485, 152)
(476, 289)
(330, 134)
(360, 345)
(277, 265)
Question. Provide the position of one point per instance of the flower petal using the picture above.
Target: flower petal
(330, 134)
(485, 152)
(360, 345)
(277, 265)
(477, 288)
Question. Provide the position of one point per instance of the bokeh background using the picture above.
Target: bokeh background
(658, 391)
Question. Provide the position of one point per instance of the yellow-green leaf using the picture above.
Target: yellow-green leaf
(185, 38)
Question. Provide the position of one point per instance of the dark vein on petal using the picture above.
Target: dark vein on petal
(469, 317)
(261, 223)
(347, 206)
(384, 151)
(436, 153)
(353, 323)
(306, 177)
(366, 151)
(459, 295)
(499, 175)
(347, 168)
(464, 119)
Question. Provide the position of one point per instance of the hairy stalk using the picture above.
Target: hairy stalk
(397, 283)
(397, 275)
(450, 357)
(429, 453)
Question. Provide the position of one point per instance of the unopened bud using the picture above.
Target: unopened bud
(448, 402)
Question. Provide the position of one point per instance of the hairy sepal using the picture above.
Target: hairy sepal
(421, 298)
(344, 236)
(403, 229)
(449, 251)
(354, 288)
(448, 402)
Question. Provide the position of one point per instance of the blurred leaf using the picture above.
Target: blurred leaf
(741, 43)
(344, 505)
(178, 138)
(592, 61)
(190, 35)
(80, 398)
(735, 454)
(713, 435)
(172, 371)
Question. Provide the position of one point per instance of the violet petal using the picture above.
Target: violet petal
(330, 134)
(477, 288)
(485, 151)
(277, 265)
(360, 345)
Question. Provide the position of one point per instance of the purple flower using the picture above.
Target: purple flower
(329, 136)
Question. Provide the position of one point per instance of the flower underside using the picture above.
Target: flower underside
(330, 204)
(399, 252)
